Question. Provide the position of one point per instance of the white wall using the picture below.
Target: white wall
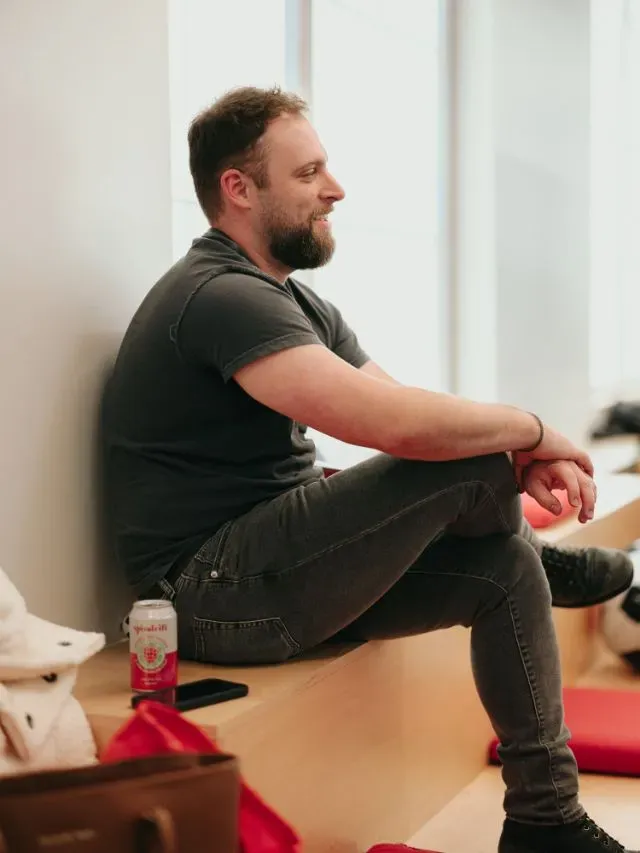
(526, 338)
(85, 229)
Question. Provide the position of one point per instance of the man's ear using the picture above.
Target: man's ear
(235, 188)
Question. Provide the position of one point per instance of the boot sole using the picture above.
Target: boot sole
(601, 600)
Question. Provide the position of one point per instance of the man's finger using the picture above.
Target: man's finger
(568, 476)
(540, 492)
(588, 496)
(584, 461)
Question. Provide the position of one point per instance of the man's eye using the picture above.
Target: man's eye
(309, 174)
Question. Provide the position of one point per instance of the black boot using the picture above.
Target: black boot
(582, 577)
(582, 836)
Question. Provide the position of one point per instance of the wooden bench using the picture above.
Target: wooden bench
(358, 744)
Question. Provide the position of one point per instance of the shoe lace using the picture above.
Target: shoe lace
(572, 568)
(590, 826)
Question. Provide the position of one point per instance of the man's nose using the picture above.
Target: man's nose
(333, 190)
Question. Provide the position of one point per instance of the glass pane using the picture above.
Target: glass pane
(375, 73)
(214, 47)
(376, 105)
(615, 199)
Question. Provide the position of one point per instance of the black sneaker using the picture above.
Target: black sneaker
(582, 577)
(582, 836)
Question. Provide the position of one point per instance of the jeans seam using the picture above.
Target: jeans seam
(515, 621)
(361, 534)
(542, 733)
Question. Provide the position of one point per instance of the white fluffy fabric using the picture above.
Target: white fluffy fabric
(42, 726)
(69, 743)
(30, 646)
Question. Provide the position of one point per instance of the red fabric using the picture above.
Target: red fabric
(328, 472)
(397, 848)
(605, 730)
(539, 517)
(156, 729)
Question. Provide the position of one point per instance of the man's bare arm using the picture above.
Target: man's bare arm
(373, 369)
(311, 385)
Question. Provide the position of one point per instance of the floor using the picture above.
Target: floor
(471, 822)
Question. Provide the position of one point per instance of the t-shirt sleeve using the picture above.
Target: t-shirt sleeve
(345, 340)
(235, 319)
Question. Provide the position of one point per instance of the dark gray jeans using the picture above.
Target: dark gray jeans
(386, 549)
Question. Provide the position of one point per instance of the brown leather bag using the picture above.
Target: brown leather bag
(164, 804)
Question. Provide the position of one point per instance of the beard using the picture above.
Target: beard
(298, 246)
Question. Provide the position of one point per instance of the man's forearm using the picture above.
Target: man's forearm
(439, 427)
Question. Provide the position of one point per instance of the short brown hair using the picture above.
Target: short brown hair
(227, 135)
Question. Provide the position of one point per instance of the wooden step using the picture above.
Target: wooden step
(350, 749)
(358, 744)
(472, 821)
(616, 525)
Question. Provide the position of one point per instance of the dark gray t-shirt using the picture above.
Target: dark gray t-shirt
(186, 449)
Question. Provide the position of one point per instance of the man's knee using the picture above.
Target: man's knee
(496, 489)
(518, 570)
(507, 572)
(496, 470)
(500, 478)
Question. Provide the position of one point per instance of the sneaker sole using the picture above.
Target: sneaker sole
(601, 600)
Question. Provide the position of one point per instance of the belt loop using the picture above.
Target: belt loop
(167, 589)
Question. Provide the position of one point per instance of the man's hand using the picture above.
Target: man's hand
(540, 478)
(553, 448)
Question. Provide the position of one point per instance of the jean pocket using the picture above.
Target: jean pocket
(210, 563)
(254, 641)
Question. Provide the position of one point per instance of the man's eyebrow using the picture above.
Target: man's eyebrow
(318, 162)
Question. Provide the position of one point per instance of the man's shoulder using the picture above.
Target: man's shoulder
(299, 288)
(324, 309)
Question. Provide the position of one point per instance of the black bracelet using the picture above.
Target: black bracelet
(540, 436)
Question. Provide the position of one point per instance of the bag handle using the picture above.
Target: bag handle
(156, 832)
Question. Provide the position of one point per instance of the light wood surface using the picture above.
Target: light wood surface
(609, 672)
(364, 746)
(472, 822)
(616, 525)
(103, 683)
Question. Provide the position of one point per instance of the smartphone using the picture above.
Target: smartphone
(195, 694)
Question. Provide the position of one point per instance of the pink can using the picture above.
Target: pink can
(153, 646)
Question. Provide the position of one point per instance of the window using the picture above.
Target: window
(214, 47)
(615, 201)
(375, 94)
(374, 77)
(376, 73)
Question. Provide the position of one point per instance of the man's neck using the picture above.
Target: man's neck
(256, 253)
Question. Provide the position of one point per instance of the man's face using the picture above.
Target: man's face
(300, 193)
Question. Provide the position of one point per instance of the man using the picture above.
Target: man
(218, 505)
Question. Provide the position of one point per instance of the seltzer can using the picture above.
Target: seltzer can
(153, 646)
